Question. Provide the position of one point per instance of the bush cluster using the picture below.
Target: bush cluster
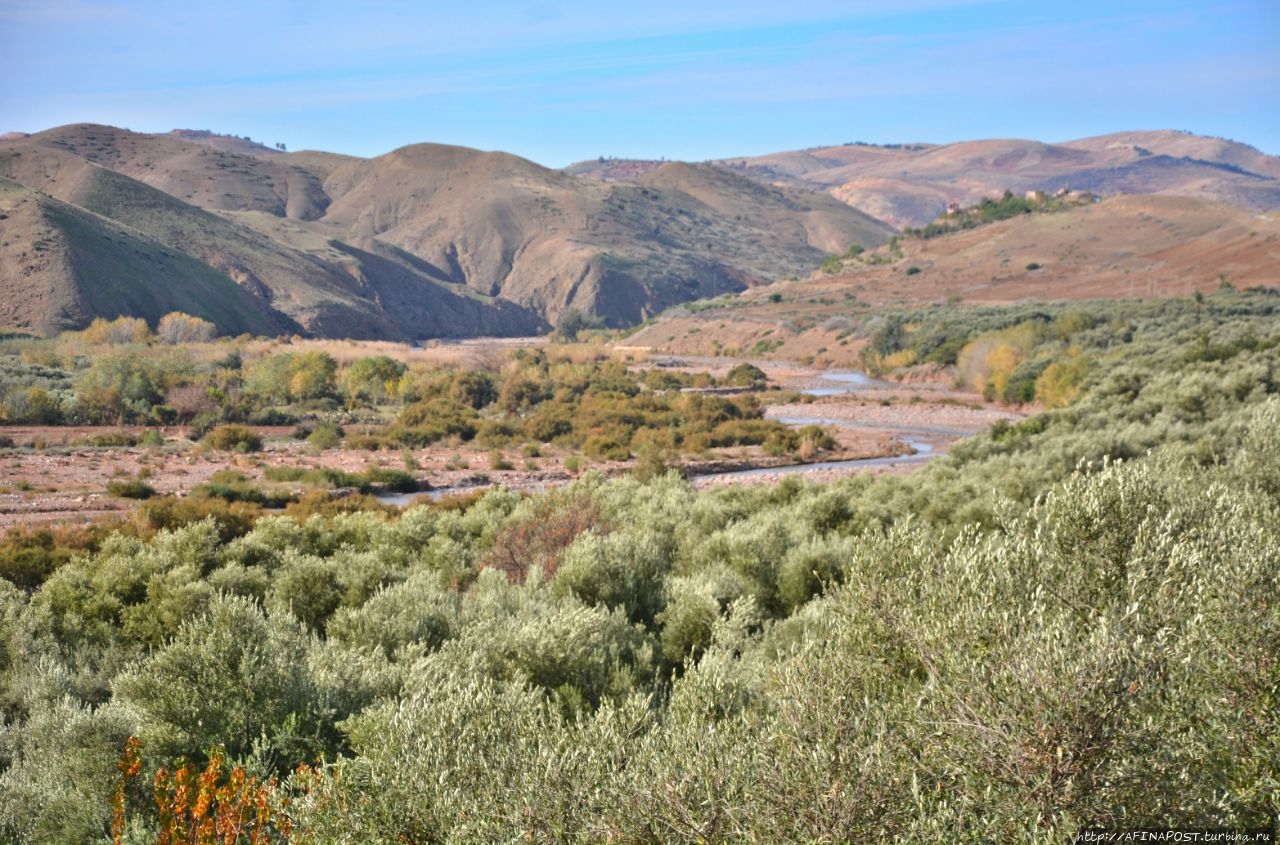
(599, 408)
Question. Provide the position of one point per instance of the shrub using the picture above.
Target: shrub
(192, 805)
(746, 375)
(395, 480)
(234, 438)
(230, 677)
(231, 492)
(369, 442)
(130, 488)
(607, 447)
(326, 436)
(167, 513)
(108, 440)
(536, 538)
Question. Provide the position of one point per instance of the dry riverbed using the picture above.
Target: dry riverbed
(879, 427)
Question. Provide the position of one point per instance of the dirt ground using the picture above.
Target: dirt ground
(50, 475)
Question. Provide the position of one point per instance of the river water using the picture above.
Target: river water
(920, 439)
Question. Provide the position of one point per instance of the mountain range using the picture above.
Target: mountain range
(425, 241)
(439, 241)
(910, 184)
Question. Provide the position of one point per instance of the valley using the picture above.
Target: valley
(61, 473)
(439, 496)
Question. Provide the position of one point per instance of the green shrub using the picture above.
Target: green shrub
(232, 492)
(234, 438)
(746, 375)
(108, 440)
(607, 447)
(325, 436)
(130, 488)
(387, 478)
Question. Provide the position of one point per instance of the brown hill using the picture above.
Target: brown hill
(328, 290)
(194, 173)
(61, 266)
(506, 227)
(431, 239)
(910, 184)
(1121, 248)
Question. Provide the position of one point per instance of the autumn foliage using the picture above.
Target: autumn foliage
(204, 807)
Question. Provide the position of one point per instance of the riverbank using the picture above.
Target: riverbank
(61, 474)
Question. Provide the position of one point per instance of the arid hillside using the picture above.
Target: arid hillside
(62, 265)
(910, 184)
(425, 241)
(231, 274)
(1127, 247)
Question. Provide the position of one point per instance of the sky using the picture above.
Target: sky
(559, 81)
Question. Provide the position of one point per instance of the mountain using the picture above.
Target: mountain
(428, 240)
(509, 228)
(432, 240)
(910, 184)
(269, 285)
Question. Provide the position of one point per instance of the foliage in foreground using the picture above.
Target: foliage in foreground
(1072, 621)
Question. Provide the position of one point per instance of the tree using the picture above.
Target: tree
(312, 375)
(118, 331)
(571, 323)
(374, 379)
(294, 376)
(176, 327)
(121, 386)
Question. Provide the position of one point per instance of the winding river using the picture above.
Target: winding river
(922, 440)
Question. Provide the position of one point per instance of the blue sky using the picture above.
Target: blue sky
(561, 80)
